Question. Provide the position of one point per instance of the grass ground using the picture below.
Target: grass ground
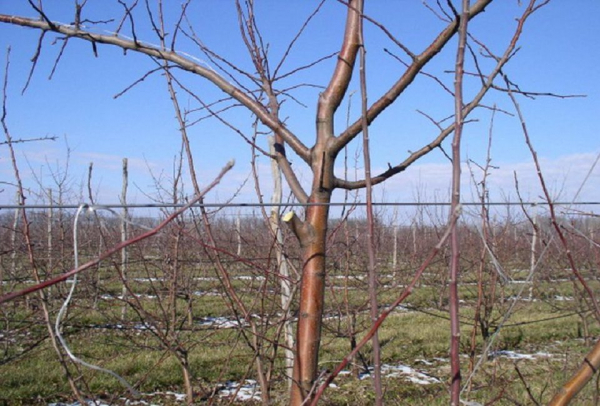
(547, 329)
(415, 338)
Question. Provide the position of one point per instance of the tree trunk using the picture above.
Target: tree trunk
(312, 235)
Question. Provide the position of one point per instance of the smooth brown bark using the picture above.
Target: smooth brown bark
(312, 291)
(586, 371)
(313, 233)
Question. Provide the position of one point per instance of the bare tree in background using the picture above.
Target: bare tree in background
(260, 93)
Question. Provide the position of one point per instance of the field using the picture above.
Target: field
(199, 310)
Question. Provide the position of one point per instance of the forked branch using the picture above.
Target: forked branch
(407, 78)
(468, 107)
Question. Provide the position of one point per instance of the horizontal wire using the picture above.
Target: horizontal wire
(332, 204)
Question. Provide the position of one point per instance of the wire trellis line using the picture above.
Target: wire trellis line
(239, 205)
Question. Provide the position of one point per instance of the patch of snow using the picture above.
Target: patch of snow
(400, 308)
(349, 277)
(149, 279)
(248, 391)
(88, 402)
(516, 355)
(563, 298)
(432, 362)
(120, 297)
(118, 326)
(393, 371)
(470, 403)
(130, 402)
(205, 293)
(520, 282)
(179, 397)
(219, 322)
(127, 402)
(111, 326)
(143, 326)
(250, 278)
(141, 296)
(522, 298)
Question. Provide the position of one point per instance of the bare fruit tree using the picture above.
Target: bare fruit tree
(260, 93)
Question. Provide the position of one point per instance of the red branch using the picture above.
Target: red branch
(118, 247)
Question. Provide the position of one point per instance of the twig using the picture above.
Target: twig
(24, 140)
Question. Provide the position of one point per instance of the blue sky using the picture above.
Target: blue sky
(559, 53)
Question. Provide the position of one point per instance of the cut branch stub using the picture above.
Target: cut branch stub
(301, 229)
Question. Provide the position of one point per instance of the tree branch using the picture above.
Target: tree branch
(183, 62)
(407, 78)
(487, 85)
(331, 98)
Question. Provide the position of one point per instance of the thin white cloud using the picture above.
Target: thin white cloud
(113, 162)
(425, 182)
(564, 176)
